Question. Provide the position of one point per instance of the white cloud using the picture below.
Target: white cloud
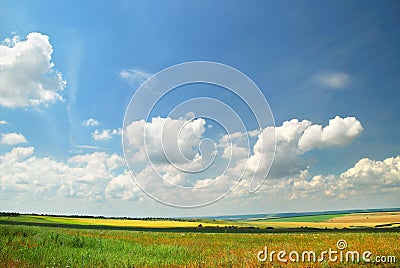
(122, 187)
(333, 80)
(294, 138)
(134, 77)
(97, 165)
(82, 176)
(287, 159)
(27, 74)
(339, 132)
(177, 139)
(367, 178)
(90, 122)
(369, 183)
(105, 134)
(117, 131)
(90, 147)
(239, 149)
(12, 138)
(167, 140)
(100, 176)
(204, 182)
(101, 135)
(3, 122)
(16, 155)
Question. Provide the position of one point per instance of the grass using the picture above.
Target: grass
(44, 247)
(27, 218)
(31, 246)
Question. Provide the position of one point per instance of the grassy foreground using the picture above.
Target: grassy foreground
(32, 246)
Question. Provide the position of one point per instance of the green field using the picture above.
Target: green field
(31, 246)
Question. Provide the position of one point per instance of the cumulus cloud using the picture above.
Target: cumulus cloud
(27, 74)
(369, 183)
(369, 176)
(168, 143)
(101, 135)
(165, 140)
(333, 80)
(90, 122)
(287, 159)
(294, 138)
(121, 187)
(339, 132)
(101, 176)
(366, 178)
(82, 176)
(3, 122)
(134, 77)
(105, 134)
(12, 138)
(172, 146)
(16, 155)
(97, 165)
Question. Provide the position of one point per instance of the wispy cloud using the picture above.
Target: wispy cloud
(134, 77)
(90, 147)
(3, 122)
(333, 80)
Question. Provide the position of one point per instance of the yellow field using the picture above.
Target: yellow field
(135, 223)
(347, 221)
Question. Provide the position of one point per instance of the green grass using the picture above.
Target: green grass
(27, 218)
(32, 246)
(311, 218)
(44, 247)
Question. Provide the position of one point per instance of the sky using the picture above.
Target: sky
(328, 70)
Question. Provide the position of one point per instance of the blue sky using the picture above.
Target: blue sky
(312, 60)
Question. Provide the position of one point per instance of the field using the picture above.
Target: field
(67, 242)
(357, 220)
(157, 223)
